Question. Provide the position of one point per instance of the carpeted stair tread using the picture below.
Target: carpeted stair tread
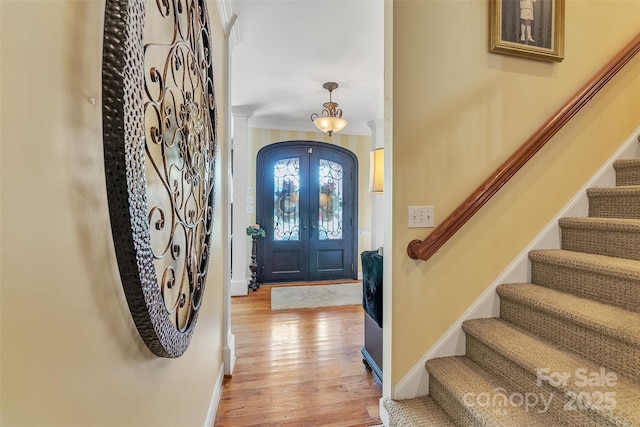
(613, 321)
(539, 359)
(627, 171)
(611, 266)
(418, 412)
(618, 237)
(459, 381)
(625, 190)
(633, 162)
(603, 333)
(609, 280)
(614, 202)
(613, 224)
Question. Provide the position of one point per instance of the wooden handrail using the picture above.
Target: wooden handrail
(424, 249)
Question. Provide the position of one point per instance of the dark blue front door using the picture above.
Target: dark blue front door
(307, 203)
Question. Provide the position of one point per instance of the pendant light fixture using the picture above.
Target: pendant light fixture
(330, 120)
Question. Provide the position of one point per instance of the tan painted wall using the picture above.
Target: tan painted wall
(71, 355)
(458, 112)
(358, 144)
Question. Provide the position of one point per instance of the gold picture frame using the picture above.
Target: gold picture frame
(528, 28)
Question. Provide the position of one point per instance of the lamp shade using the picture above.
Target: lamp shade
(330, 124)
(376, 171)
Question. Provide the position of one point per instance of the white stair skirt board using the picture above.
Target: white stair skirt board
(416, 382)
(293, 297)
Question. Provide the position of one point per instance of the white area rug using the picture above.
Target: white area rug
(291, 297)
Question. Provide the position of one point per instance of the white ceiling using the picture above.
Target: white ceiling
(287, 49)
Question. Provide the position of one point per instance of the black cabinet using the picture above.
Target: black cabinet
(372, 304)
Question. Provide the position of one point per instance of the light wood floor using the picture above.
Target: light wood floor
(297, 367)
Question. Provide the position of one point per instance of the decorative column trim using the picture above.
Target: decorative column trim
(240, 263)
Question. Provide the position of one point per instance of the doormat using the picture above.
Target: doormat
(292, 297)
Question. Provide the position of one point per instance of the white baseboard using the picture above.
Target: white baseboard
(384, 415)
(229, 354)
(215, 399)
(238, 288)
(416, 382)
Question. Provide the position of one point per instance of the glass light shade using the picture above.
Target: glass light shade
(376, 171)
(330, 124)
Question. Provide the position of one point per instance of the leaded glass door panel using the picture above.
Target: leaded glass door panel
(307, 204)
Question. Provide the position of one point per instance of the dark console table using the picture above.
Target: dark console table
(372, 304)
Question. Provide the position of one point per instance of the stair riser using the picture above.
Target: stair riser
(461, 414)
(541, 398)
(628, 176)
(614, 206)
(417, 412)
(602, 242)
(617, 291)
(620, 357)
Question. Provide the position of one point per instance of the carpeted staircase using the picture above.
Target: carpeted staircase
(566, 348)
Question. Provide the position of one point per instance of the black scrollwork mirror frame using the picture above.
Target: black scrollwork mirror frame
(159, 135)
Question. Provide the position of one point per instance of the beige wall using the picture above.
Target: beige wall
(458, 112)
(71, 355)
(358, 144)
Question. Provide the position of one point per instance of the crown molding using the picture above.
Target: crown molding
(229, 22)
(244, 112)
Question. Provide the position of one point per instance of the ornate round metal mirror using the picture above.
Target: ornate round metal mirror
(159, 134)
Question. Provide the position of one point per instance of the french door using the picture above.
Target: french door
(306, 201)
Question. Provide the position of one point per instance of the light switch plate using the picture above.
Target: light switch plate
(421, 216)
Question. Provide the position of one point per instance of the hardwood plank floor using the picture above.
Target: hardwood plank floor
(297, 367)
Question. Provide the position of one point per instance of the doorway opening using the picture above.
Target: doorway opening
(307, 203)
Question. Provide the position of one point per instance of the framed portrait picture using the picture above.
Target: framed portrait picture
(528, 28)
